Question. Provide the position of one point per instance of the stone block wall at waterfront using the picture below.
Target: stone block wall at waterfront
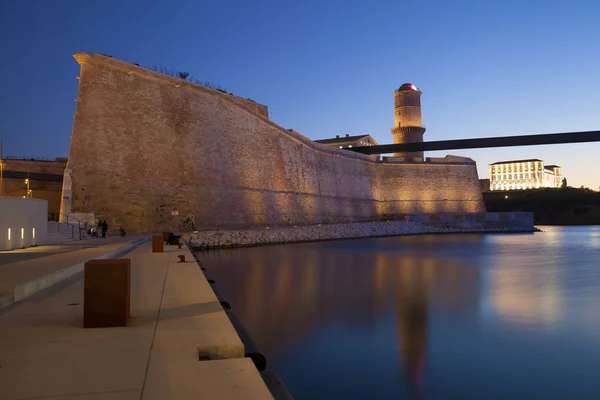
(412, 225)
(154, 153)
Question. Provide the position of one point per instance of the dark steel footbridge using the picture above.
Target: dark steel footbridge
(479, 143)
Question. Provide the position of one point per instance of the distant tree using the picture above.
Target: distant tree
(183, 75)
(564, 183)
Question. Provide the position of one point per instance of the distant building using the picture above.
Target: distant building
(485, 185)
(348, 141)
(31, 177)
(524, 174)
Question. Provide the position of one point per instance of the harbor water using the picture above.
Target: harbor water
(463, 316)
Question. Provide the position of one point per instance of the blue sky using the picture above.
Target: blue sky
(486, 68)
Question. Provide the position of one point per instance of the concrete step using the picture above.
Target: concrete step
(53, 238)
(59, 232)
(20, 280)
(60, 227)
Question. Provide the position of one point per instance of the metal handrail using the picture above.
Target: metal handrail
(68, 216)
(61, 220)
(22, 158)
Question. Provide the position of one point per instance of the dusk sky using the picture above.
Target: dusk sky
(326, 68)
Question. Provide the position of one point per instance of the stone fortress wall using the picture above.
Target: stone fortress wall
(154, 153)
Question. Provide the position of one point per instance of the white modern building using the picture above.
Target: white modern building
(524, 174)
(23, 222)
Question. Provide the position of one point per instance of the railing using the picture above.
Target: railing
(56, 159)
(74, 223)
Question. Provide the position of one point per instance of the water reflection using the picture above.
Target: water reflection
(422, 284)
(452, 316)
(283, 293)
(527, 295)
(534, 280)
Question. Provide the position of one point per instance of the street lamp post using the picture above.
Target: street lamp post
(28, 190)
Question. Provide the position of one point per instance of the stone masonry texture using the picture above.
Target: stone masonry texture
(154, 153)
(456, 223)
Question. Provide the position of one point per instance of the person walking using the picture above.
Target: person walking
(104, 228)
(99, 228)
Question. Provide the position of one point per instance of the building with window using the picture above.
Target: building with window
(347, 142)
(524, 174)
(36, 178)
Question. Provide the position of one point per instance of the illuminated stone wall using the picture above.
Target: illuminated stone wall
(146, 146)
(446, 185)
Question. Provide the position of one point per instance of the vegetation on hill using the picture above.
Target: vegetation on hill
(564, 206)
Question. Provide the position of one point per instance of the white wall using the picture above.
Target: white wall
(65, 204)
(27, 220)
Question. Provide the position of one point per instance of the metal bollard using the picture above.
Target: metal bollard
(157, 244)
(106, 292)
(251, 349)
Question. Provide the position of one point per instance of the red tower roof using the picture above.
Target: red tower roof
(407, 86)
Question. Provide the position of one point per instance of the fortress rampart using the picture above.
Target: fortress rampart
(154, 153)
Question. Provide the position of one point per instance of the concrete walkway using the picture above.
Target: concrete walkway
(25, 272)
(176, 322)
(30, 253)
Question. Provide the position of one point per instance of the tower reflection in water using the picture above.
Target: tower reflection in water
(424, 286)
(283, 294)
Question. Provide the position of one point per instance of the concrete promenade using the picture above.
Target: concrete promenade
(24, 272)
(176, 322)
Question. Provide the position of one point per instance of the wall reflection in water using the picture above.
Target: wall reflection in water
(522, 290)
(284, 293)
(437, 316)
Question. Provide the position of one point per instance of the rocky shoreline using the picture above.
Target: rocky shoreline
(279, 235)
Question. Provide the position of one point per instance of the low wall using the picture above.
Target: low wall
(411, 225)
(488, 220)
(23, 222)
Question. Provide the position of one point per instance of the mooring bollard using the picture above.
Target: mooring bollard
(224, 303)
(251, 349)
(106, 292)
(181, 258)
(157, 244)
